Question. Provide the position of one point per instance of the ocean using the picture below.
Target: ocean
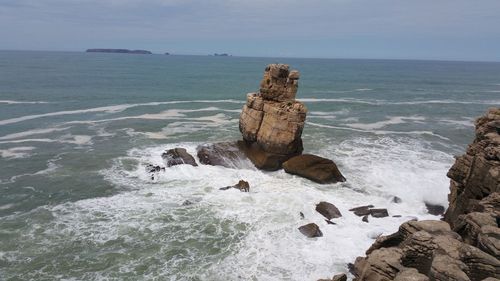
(77, 129)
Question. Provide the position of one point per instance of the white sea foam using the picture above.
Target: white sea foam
(17, 152)
(379, 132)
(32, 132)
(380, 124)
(21, 102)
(233, 235)
(105, 109)
(68, 138)
(385, 102)
(468, 122)
(170, 114)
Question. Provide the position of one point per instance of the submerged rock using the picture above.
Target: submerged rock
(396, 200)
(178, 156)
(315, 168)
(328, 210)
(311, 230)
(271, 121)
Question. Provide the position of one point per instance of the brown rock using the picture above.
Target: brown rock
(262, 159)
(311, 230)
(476, 174)
(315, 168)
(178, 156)
(272, 121)
(328, 210)
(410, 274)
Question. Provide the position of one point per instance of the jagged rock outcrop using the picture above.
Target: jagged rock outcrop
(429, 247)
(466, 246)
(476, 174)
(271, 121)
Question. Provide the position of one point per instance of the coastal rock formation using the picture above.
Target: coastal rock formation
(315, 168)
(271, 121)
(466, 246)
(476, 174)
(178, 156)
(431, 248)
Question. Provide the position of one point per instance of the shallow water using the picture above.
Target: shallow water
(77, 129)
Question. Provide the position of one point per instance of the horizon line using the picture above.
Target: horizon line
(250, 56)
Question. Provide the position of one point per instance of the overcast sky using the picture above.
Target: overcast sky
(414, 29)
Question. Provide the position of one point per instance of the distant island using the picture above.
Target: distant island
(119, 51)
(222, 55)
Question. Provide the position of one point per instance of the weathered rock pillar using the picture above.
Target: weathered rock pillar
(272, 120)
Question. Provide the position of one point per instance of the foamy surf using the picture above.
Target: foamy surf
(252, 235)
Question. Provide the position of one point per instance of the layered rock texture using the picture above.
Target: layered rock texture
(476, 174)
(271, 121)
(466, 246)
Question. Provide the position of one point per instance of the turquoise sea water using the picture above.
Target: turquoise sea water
(76, 130)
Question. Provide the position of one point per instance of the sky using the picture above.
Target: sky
(378, 29)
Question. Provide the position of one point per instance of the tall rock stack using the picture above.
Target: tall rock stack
(272, 120)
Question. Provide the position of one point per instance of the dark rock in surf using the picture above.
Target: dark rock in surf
(226, 154)
(187, 203)
(178, 156)
(361, 210)
(330, 222)
(328, 210)
(436, 210)
(365, 218)
(242, 186)
(379, 213)
(311, 230)
(154, 168)
(396, 200)
(315, 168)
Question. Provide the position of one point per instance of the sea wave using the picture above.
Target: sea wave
(380, 132)
(22, 102)
(386, 102)
(107, 109)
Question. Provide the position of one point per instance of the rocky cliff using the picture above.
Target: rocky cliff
(271, 121)
(466, 246)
